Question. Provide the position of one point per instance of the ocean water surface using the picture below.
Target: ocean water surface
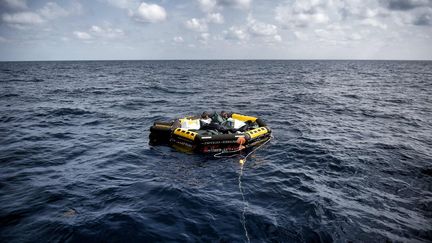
(351, 159)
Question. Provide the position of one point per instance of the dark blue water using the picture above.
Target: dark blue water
(351, 159)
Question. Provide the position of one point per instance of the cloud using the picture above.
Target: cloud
(277, 38)
(203, 38)
(261, 29)
(374, 23)
(22, 18)
(301, 35)
(178, 39)
(317, 14)
(141, 12)
(405, 5)
(236, 33)
(355, 36)
(339, 21)
(409, 12)
(49, 11)
(106, 32)
(302, 13)
(253, 28)
(243, 4)
(199, 25)
(150, 13)
(52, 10)
(13, 4)
(96, 29)
(123, 4)
(424, 19)
(207, 5)
(336, 35)
(3, 40)
(215, 18)
(99, 32)
(82, 35)
(211, 5)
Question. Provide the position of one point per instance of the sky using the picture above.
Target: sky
(215, 29)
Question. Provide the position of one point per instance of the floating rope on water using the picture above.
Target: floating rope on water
(232, 153)
(243, 160)
(245, 203)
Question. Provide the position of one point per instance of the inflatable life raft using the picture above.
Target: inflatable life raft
(188, 134)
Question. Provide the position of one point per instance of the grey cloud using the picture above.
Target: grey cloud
(236, 3)
(405, 5)
(12, 5)
(27, 17)
(424, 20)
(212, 5)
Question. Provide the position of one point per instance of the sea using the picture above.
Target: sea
(350, 161)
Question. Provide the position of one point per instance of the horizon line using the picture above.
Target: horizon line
(222, 59)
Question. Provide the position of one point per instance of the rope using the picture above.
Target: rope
(245, 203)
(242, 161)
(221, 154)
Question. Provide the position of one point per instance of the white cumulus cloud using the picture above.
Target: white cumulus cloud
(261, 29)
(82, 35)
(236, 33)
(207, 5)
(178, 39)
(254, 29)
(302, 13)
(215, 18)
(150, 13)
(204, 37)
(277, 38)
(199, 25)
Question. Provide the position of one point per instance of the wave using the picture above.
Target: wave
(9, 95)
(173, 90)
(17, 80)
(69, 111)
